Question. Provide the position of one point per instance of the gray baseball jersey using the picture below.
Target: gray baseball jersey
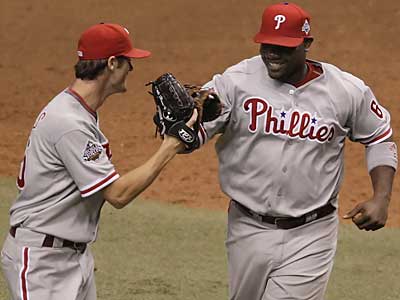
(281, 154)
(281, 151)
(66, 165)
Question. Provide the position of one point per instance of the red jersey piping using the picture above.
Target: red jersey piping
(81, 101)
(313, 72)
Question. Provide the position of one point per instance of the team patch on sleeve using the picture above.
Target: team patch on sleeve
(92, 151)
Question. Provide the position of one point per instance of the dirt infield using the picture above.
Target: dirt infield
(193, 40)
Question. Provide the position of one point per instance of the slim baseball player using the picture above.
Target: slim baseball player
(67, 175)
(283, 127)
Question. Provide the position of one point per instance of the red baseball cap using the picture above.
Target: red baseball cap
(284, 24)
(104, 40)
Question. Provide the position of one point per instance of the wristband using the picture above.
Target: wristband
(382, 154)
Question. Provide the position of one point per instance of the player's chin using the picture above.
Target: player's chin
(278, 75)
(121, 88)
(277, 71)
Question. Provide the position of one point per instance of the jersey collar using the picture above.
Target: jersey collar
(314, 71)
(81, 101)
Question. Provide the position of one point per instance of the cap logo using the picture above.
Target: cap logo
(80, 53)
(279, 20)
(306, 27)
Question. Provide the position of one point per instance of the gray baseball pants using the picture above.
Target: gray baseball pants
(34, 272)
(266, 263)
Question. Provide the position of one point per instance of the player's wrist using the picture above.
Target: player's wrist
(383, 199)
(172, 144)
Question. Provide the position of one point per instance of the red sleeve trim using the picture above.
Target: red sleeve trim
(95, 188)
(203, 134)
(387, 133)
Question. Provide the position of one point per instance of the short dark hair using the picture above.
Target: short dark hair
(91, 69)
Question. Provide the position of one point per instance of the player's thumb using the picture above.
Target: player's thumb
(353, 212)
(193, 119)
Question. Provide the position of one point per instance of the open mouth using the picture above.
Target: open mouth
(275, 66)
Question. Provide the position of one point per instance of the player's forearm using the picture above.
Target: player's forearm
(382, 181)
(130, 185)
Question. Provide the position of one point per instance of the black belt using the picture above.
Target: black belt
(290, 222)
(49, 241)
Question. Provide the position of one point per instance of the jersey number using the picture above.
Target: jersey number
(21, 175)
(375, 108)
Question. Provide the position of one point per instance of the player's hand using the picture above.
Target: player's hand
(369, 215)
(171, 141)
(193, 119)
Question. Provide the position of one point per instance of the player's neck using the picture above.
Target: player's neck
(298, 76)
(90, 91)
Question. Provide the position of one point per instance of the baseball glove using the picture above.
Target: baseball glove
(175, 104)
(206, 101)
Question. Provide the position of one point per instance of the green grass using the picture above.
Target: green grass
(367, 265)
(7, 194)
(159, 251)
(154, 251)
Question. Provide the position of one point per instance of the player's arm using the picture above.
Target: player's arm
(220, 85)
(373, 213)
(129, 186)
(370, 125)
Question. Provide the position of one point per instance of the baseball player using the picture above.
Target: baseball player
(67, 175)
(283, 129)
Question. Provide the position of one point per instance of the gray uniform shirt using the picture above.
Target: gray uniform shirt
(66, 166)
(281, 148)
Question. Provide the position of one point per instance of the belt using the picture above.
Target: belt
(48, 241)
(290, 222)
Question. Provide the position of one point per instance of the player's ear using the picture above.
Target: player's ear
(112, 63)
(307, 43)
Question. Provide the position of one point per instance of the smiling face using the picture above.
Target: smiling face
(286, 64)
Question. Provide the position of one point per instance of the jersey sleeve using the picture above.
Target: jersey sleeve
(87, 161)
(220, 85)
(369, 122)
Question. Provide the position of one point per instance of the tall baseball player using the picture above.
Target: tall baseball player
(283, 129)
(67, 174)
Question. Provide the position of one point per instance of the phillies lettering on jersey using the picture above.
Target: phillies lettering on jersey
(295, 124)
(108, 150)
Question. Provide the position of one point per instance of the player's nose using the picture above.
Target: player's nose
(272, 51)
(130, 64)
(273, 54)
